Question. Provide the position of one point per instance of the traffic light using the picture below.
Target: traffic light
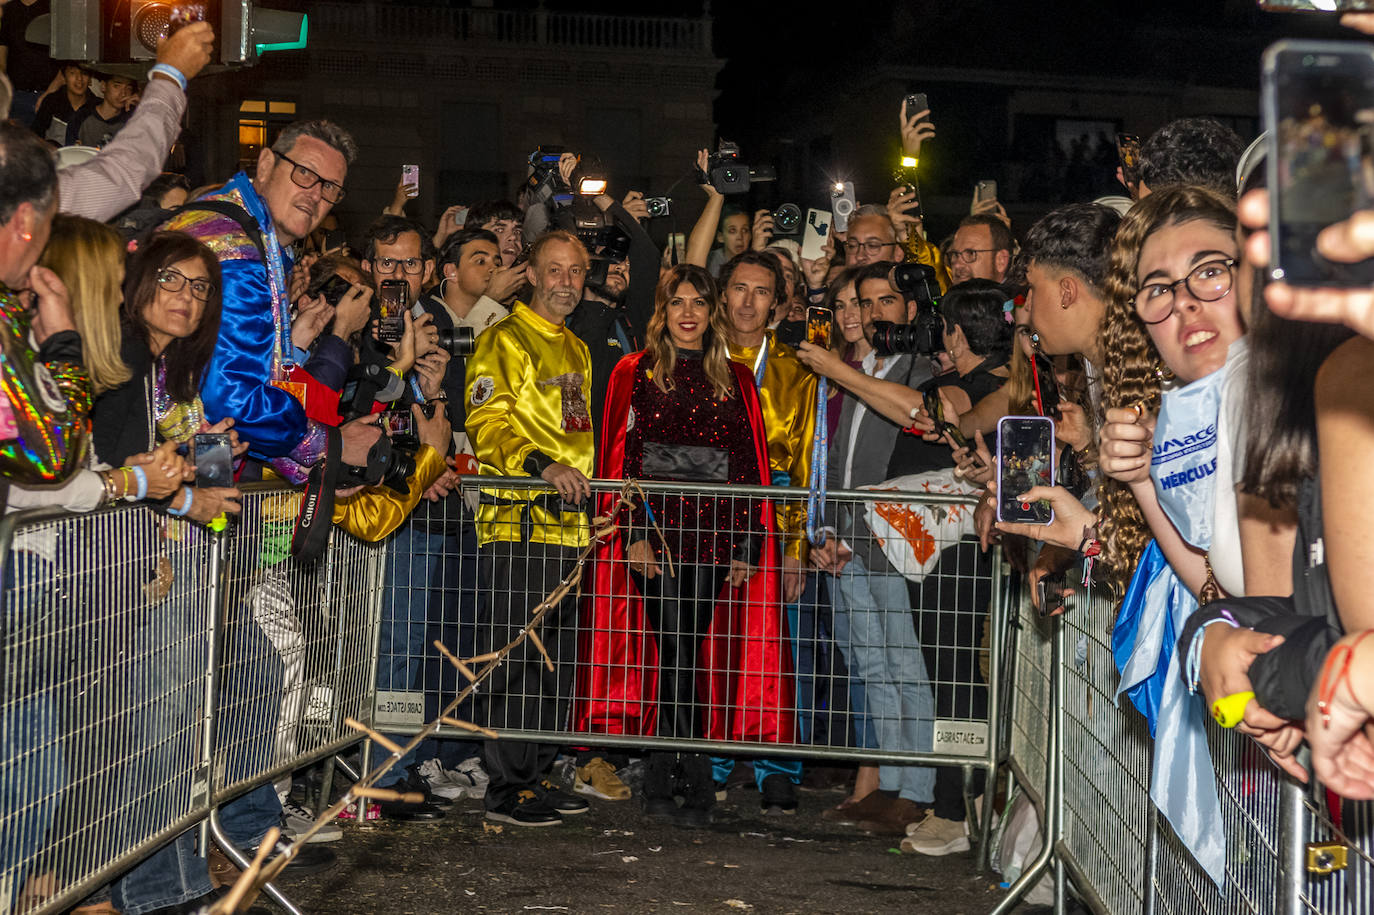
(127, 31)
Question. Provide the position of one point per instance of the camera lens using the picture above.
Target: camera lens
(786, 218)
(459, 341)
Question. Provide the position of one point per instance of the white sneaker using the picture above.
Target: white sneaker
(297, 822)
(936, 836)
(468, 780)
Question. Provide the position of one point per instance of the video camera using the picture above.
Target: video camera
(925, 335)
(605, 245)
(391, 460)
(728, 175)
(544, 178)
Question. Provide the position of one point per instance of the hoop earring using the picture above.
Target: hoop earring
(1164, 373)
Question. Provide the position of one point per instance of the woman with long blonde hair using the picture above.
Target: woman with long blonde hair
(89, 257)
(678, 411)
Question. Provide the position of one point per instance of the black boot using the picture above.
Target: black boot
(698, 790)
(658, 787)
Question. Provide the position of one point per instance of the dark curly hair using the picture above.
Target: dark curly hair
(1077, 237)
(1197, 151)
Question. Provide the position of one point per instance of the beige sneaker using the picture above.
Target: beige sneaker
(598, 779)
(936, 836)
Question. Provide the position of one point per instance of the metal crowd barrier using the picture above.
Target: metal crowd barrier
(882, 663)
(1086, 764)
(153, 670)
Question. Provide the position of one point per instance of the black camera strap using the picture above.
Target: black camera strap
(316, 515)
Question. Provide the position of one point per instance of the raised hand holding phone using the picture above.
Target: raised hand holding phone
(1025, 461)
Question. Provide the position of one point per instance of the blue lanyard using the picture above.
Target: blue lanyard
(820, 456)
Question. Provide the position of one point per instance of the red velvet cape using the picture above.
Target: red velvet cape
(745, 684)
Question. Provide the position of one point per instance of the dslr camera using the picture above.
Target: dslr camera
(787, 220)
(658, 206)
(389, 462)
(729, 175)
(925, 335)
(605, 245)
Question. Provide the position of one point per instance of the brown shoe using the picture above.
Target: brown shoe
(893, 819)
(872, 805)
(96, 908)
(223, 871)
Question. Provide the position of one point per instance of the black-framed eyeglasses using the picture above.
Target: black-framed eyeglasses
(388, 265)
(173, 280)
(969, 255)
(872, 246)
(305, 177)
(1207, 282)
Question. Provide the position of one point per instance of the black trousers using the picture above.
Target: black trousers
(522, 693)
(680, 608)
(951, 604)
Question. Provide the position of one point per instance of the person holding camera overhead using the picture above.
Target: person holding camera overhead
(528, 384)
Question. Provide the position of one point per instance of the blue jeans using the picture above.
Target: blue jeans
(31, 764)
(415, 559)
(163, 684)
(882, 650)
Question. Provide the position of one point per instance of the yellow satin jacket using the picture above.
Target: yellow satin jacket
(529, 384)
(787, 397)
(374, 513)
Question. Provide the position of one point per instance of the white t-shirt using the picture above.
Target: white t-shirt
(1225, 551)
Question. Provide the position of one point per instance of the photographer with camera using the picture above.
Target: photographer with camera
(867, 591)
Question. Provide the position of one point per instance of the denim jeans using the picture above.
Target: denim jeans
(414, 577)
(31, 762)
(882, 651)
(164, 684)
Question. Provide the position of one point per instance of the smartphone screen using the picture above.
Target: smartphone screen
(391, 299)
(1025, 458)
(410, 176)
(819, 323)
(1319, 108)
(1128, 151)
(182, 15)
(214, 458)
(397, 422)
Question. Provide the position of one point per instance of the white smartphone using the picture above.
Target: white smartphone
(410, 176)
(814, 234)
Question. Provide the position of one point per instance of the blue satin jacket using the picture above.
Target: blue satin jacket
(248, 356)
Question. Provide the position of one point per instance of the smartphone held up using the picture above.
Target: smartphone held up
(1318, 101)
(392, 297)
(1025, 459)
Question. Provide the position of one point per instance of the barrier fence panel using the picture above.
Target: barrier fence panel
(297, 645)
(106, 640)
(1337, 873)
(1106, 763)
(698, 648)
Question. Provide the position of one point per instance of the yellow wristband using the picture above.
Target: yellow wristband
(1229, 710)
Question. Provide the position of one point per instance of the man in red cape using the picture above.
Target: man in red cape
(745, 683)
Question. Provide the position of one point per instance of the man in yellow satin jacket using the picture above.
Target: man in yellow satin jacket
(528, 389)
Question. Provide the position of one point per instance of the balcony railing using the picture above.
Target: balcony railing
(371, 22)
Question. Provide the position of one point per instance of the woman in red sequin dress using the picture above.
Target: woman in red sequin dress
(680, 410)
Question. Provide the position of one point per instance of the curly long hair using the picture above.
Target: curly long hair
(715, 356)
(1131, 371)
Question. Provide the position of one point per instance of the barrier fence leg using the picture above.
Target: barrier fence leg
(242, 860)
(214, 651)
(1054, 783)
(1151, 859)
(1292, 848)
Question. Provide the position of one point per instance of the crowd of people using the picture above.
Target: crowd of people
(551, 339)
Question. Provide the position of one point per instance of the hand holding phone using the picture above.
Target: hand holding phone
(410, 177)
(820, 321)
(214, 456)
(392, 296)
(1025, 458)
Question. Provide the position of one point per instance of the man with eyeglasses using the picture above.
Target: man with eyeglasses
(250, 224)
(982, 250)
(871, 238)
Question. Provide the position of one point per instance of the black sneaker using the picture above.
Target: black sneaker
(779, 795)
(566, 804)
(524, 808)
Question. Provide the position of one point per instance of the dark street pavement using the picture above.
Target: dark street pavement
(613, 860)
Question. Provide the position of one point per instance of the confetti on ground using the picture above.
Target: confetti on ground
(655, 848)
(626, 859)
(612, 851)
(493, 828)
(731, 866)
(738, 904)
